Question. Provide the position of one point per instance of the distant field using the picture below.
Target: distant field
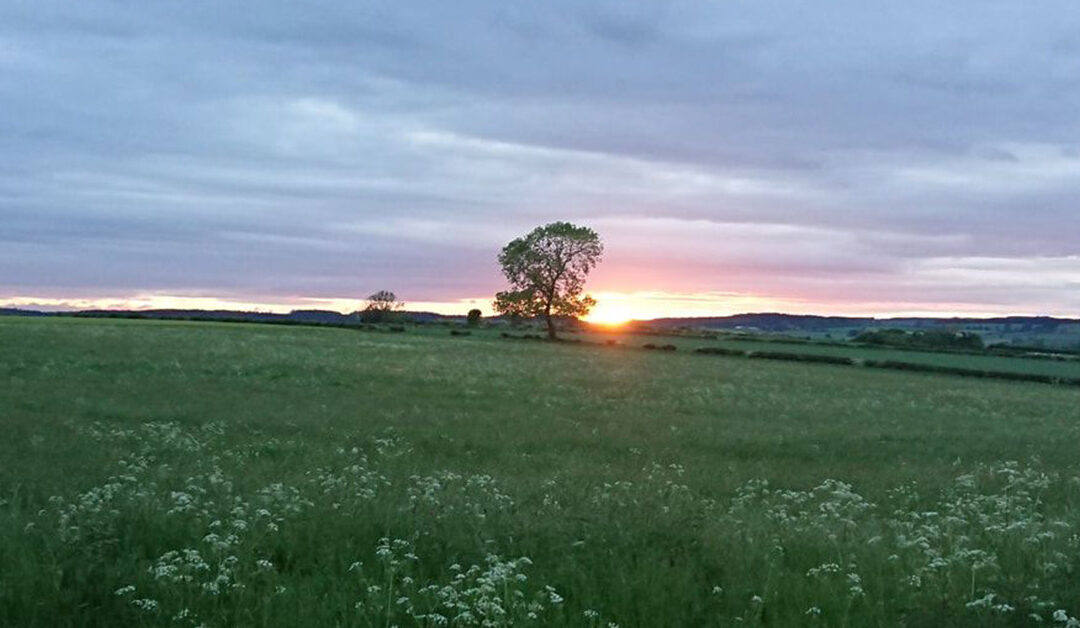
(186, 474)
(1066, 369)
(1055, 368)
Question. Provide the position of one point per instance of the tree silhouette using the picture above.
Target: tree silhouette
(381, 307)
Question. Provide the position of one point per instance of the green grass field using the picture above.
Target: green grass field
(1054, 368)
(988, 362)
(187, 474)
(1067, 369)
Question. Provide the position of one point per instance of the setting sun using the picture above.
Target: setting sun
(614, 308)
(617, 308)
(611, 315)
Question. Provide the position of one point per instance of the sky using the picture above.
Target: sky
(842, 157)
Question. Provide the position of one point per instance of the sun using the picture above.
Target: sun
(611, 315)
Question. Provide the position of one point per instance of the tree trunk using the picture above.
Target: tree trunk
(550, 323)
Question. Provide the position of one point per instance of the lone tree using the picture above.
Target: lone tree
(380, 307)
(474, 317)
(546, 270)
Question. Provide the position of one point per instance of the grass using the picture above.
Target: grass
(168, 473)
(1067, 369)
(1063, 369)
(1053, 368)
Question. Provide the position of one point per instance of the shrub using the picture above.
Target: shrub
(802, 357)
(720, 351)
(934, 339)
(956, 370)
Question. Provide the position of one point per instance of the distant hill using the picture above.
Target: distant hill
(11, 311)
(777, 322)
(770, 321)
(1042, 332)
(321, 317)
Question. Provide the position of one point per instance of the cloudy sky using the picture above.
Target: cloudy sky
(839, 157)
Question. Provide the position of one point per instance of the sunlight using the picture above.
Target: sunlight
(617, 308)
(612, 308)
(612, 311)
(612, 315)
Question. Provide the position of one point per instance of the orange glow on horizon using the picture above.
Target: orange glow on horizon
(137, 302)
(612, 308)
(609, 315)
(617, 308)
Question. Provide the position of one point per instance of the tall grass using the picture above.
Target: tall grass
(183, 475)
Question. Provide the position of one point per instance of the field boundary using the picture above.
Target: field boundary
(895, 365)
(814, 358)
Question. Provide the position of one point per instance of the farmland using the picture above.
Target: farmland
(186, 474)
(1065, 367)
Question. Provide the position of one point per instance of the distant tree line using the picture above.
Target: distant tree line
(933, 339)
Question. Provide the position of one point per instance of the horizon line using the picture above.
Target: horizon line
(612, 307)
(887, 317)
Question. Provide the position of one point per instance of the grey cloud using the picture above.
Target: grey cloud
(323, 148)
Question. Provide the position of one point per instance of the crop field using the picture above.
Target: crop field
(203, 474)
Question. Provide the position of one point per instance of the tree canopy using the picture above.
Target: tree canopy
(546, 270)
(380, 307)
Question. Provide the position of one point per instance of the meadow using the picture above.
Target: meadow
(1059, 368)
(1068, 369)
(1063, 368)
(198, 474)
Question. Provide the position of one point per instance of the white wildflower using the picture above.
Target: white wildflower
(146, 604)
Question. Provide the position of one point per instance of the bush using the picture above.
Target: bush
(934, 339)
(522, 336)
(802, 357)
(720, 351)
(956, 370)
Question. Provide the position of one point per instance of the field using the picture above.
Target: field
(1053, 368)
(1065, 368)
(187, 474)
(1061, 368)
